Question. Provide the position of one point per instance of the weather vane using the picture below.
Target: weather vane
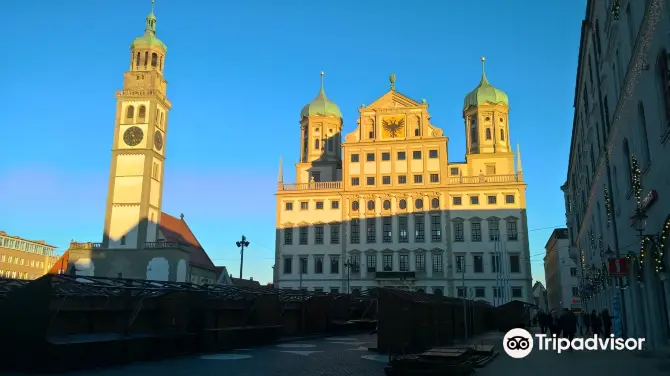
(392, 80)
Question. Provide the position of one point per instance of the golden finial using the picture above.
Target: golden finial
(392, 80)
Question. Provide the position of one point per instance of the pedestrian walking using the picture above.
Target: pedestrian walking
(596, 323)
(587, 323)
(568, 322)
(580, 324)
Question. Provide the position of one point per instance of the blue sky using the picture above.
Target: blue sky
(238, 74)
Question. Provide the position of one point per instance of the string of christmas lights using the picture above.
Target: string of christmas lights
(639, 59)
(660, 259)
(637, 182)
(634, 262)
(616, 9)
(608, 206)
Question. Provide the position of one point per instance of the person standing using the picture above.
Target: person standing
(580, 324)
(586, 323)
(607, 322)
(568, 322)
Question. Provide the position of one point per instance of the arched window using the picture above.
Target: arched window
(130, 113)
(418, 203)
(354, 206)
(502, 135)
(626, 155)
(371, 205)
(161, 122)
(663, 72)
(387, 205)
(142, 114)
(488, 133)
(437, 292)
(473, 134)
(316, 144)
(146, 58)
(435, 203)
(137, 61)
(161, 67)
(154, 60)
(402, 204)
(642, 132)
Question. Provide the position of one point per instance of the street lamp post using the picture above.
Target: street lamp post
(348, 264)
(242, 244)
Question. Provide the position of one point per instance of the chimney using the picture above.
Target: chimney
(251, 278)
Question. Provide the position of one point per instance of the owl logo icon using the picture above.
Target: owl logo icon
(518, 343)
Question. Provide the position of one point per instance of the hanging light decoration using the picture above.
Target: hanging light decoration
(616, 9)
(659, 256)
(608, 206)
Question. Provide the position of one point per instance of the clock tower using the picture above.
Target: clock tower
(138, 149)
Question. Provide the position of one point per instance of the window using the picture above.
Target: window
(304, 205)
(387, 226)
(437, 262)
(318, 235)
(318, 289)
(514, 264)
(418, 179)
(478, 264)
(355, 181)
(495, 264)
(371, 230)
(460, 264)
(402, 230)
(355, 158)
(454, 171)
(457, 201)
(289, 206)
(370, 180)
(434, 178)
(573, 272)
(334, 265)
(512, 232)
(303, 235)
(371, 205)
(435, 228)
(419, 222)
(288, 236)
(130, 112)
(416, 154)
(402, 179)
(354, 206)
(494, 232)
(402, 204)
(386, 180)
(288, 265)
(474, 200)
(420, 262)
(141, 114)
(334, 204)
(319, 205)
(386, 156)
(460, 292)
(437, 291)
(371, 263)
(458, 232)
(492, 200)
(509, 199)
(303, 265)
(476, 231)
(480, 292)
(502, 135)
(316, 175)
(370, 157)
(334, 290)
(516, 292)
(432, 154)
(386, 205)
(335, 234)
(318, 264)
(418, 203)
(387, 263)
(355, 231)
(402, 156)
(404, 263)
(355, 263)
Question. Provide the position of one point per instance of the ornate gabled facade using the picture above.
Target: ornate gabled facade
(386, 207)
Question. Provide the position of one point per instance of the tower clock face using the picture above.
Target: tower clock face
(158, 140)
(133, 136)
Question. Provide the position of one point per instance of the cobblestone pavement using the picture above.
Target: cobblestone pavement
(333, 356)
(348, 356)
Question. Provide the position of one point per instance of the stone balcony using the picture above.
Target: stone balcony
(453, 180)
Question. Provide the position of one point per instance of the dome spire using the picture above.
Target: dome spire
(150, 27)
(484, 81)
(322, 92)
(321, 105)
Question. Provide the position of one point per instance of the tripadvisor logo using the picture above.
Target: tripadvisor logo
(519, 343)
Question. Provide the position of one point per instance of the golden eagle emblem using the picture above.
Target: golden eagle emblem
(393, 126)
